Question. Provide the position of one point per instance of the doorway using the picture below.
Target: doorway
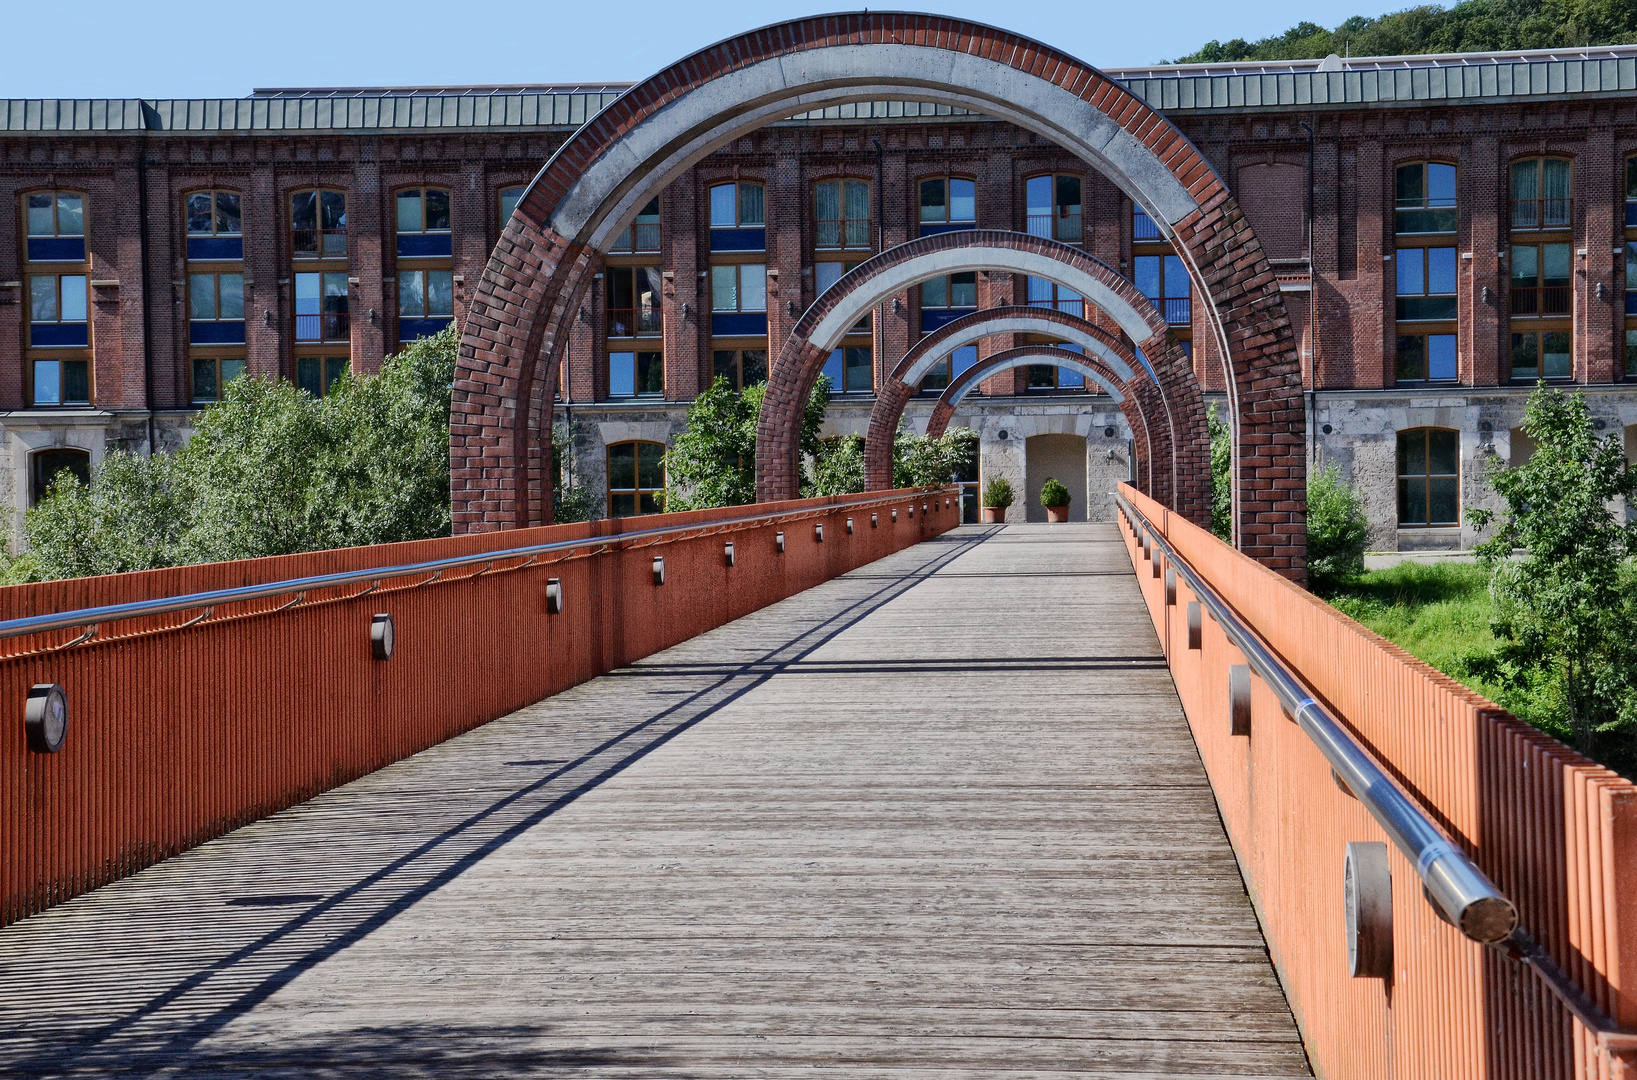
(1059, 457)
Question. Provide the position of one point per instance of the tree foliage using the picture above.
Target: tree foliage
(268, 471)
(713, 461)
(1221, 436)
(1472, 26)
(1337, 530)
(1568, 604)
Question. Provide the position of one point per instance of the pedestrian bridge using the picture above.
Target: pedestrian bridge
(835, 786)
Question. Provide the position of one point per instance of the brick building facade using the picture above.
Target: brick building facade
(1445, 230)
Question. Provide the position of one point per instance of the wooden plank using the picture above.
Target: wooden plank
(939, 817)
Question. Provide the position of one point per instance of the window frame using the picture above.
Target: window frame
(1177, 311)
(1539, 334)
(1427, 206)
(343, 319)
(653, 359)
(644, 322)
(844, 225)
(1030, 220)
(1425, 336)
(502, 214)
(948, 310)
(1056, 302)
(634, 239)
(328, 374)
(1426, 477)
(637, 491)
(1422, 253)
(1540, 200)
(950, 223)
(738, 269)
(56, 195)
(319, 231)
(215, 363)
(737, 381)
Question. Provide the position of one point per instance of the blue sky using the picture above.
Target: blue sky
(161, 48)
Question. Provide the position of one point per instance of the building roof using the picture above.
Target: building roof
(1454, 78)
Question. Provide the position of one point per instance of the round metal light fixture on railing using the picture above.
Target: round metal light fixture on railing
(1239, 699)
(381, 636)
(554, 596)
(875, 521)
(727, 553)
(1368, 884)
(778, 541)
(45, 718)
(818, 533)
(659, 569)
(849, 526)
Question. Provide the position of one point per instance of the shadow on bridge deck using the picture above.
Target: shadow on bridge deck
(939, 816)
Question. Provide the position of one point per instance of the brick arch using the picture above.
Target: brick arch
(1169, 391)
(599, 178)
(1093, 366)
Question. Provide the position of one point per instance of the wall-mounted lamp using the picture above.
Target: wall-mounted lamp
(897, 306)
(1486, 294)
(382, 639)
(374, 317)
(849, 526)
(727, 553)
(778, 541)
(1602, 293)
(583, 316)
(659, 569)
(818, 534)
(267, 317)
(45, 718)
(687, 310)
(554, 596)
(791, 309)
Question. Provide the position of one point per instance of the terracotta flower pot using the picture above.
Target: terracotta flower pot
(994, 515)
(1057, 514)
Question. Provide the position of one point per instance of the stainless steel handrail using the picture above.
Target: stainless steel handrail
(1462, 892)
(66, 620)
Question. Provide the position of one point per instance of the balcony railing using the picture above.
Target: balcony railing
(643, 237)
(329, 327)
(1179, 311)
(318, 243)
(1064, 227)
(830, 232)
(1077, 308)
(1541, 300)
(1425, 219)
(634, 322)
(1541, 213)
(1143, 227)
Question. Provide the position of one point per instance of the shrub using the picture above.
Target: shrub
(997, 493)
(838, 467)
(918, 461)
(1221, 474)
(713, 461)
(1337, 530)
(1053, 493)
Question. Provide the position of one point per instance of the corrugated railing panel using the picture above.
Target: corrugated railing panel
(1556, 833)
(180, 733)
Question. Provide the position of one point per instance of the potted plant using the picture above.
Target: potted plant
(997, 496)
(1055, 498)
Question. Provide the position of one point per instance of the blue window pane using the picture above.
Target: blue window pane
(964, 357)
(56, 249)
(832, 370)
(622, 374)
(1440, 270)
(47, 382)
(1441, 356)
(739, 324)
(1040, 291)
(724, 213)
(216, 333)
(415, 329)
(1411, 276)
(1440, 184)
(215, 247)
(935, 318)
(1147, 276)
(1176, 278)
(423, 245)
(738, 239)
(63, 335)
(963, 201)
(1069, 377)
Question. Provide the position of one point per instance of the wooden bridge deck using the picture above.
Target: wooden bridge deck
(940, 817)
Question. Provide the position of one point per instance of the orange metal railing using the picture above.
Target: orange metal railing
(233, 690)
(1554, 832)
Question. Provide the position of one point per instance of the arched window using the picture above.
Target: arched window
(1054, 207)
(1429, 477)
(738, 217)
(56, 226)
(46, 464)
(636, 478)
(841, 215)
(642, 235)
(1424, 197)
(1631, 268)
(948, 204)
(1542, 193)
(509, 198)
(215, 225)
(423, 224)
(318, 224)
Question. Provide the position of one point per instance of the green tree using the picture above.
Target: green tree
(1568, 604)
(713, 461)
(1337, 530)
(838, 467)
(268, 471)
(1221, 436)
(918, 461)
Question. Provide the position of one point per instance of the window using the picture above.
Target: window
(945, 299)
(738, 217)
(56, 226)
(318, 225)
(642, 235)
(509, 198)
(950, 368)
(1427, 358)
(634, 300)
(61, 382)
(1631, 354)
(212, 374)
(841, 214)
(740, 287)
(1426, 283)
(1542, 355)
(1164, 280)
(1053, 207)
(318, 374)
(636, 478)
(636, 374)
(57, 312)
(826, 274)
(1424, 200)
(321, 307)
(948, 204)
(1429, 477)
(851, 370)
(1631, 277)
(426, 302)
(1541, 194)
(1631, 192)
(215, 227)
(1048, 377)
(1044, 293)
(216, 309)
(46, 464)
(423, 224)
(1143, 227)
(740, 367)
(1541, 279)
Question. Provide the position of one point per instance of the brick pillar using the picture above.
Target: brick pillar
(893, 331)
(266, 263)
(115, 256)
(150, 296)
(686, 366)
(1481, 191)
(1599, 188)
(1374, 336)
(369, 230)
(470, 212)
(13, 299)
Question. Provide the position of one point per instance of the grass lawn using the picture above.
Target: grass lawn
(1440, 613)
